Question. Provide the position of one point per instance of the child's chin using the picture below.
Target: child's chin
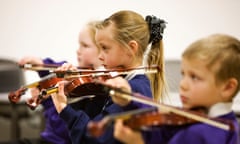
(185, 106)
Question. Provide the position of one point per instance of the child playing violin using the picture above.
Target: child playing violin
(210, 80)
(56, 131)
(123, 39)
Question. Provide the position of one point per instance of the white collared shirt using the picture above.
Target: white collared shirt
(219, 109)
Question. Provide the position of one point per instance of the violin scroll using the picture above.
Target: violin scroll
(14, 97)
(46, 82)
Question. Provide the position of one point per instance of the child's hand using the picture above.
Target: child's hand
(59, 98)
(34, 92)
(66, 66)
(119, 82)
(30, 60)
(126, 134)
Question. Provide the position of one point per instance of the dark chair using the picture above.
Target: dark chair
(11, 79)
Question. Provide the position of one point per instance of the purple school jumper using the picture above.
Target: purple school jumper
(77, 120)
(56, 130)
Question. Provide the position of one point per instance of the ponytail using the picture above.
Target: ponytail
(155, 56)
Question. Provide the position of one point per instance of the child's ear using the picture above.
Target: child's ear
(229, 88)
(133, 45)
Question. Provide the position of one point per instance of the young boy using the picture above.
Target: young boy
(210, 79)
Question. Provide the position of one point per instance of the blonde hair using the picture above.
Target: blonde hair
(129, 25)
(91, 26)
(221, 53)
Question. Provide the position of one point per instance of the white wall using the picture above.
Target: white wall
(50, 27)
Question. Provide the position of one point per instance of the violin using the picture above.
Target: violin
(96, 77)
(85, 84)
(147, 119)
(46, 82)
(142, 119)
(81, 83)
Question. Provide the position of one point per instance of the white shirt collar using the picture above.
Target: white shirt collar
(135, 72)
(220, 109)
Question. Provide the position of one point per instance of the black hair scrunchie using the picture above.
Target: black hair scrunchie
(156, 28)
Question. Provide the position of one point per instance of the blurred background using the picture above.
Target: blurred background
(49, 28)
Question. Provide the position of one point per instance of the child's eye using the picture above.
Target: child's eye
(182, 73)
(85, 45)
(104, 48)
(194, 77)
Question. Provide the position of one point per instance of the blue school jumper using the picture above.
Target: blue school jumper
(77, 120)
(56, 130)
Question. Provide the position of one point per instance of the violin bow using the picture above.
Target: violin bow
(145, 100)
(47, 67)
(112, 72)
(119, 70)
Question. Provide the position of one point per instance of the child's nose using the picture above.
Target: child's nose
(78, 51)
(100, 57)
(183, 84)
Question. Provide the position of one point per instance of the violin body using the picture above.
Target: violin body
(140, 119)
(76, 88)
(155, 118)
